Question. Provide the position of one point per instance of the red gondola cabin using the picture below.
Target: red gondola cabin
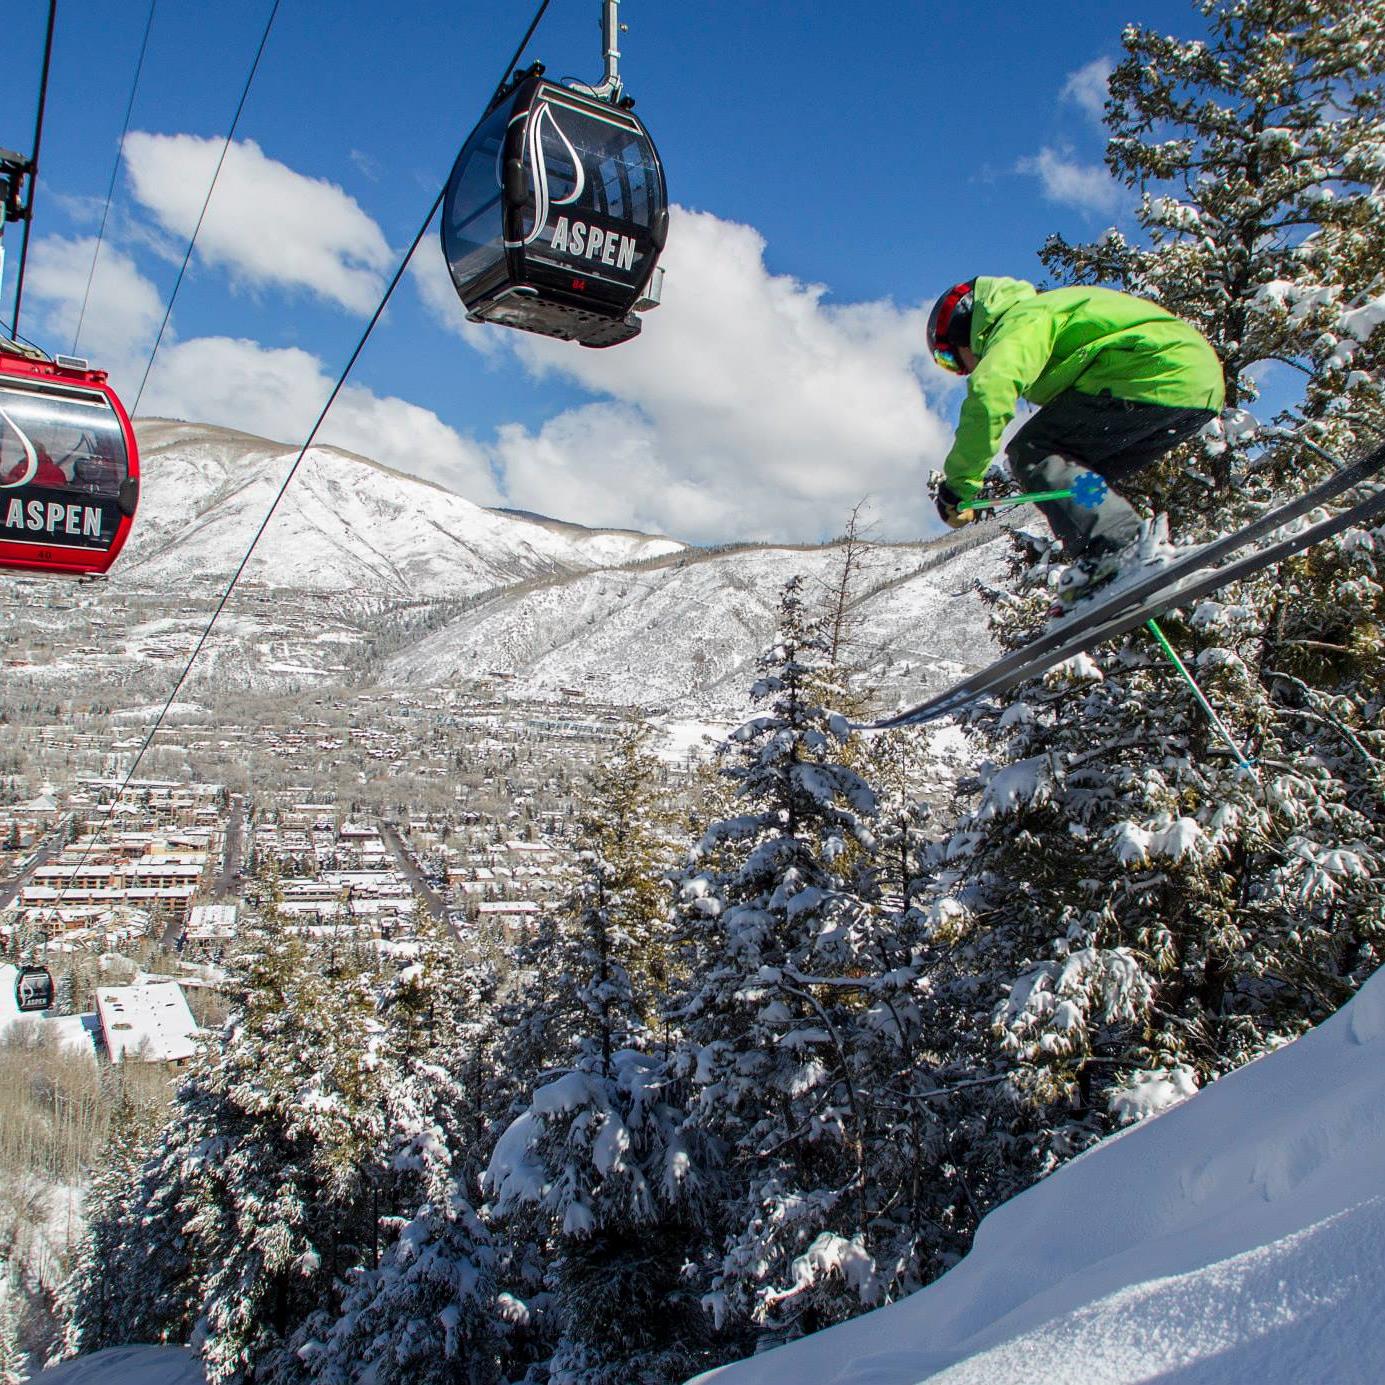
(69, 467)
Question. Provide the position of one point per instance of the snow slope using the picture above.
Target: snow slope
(685, 632)
(129, 1366)
(345, 523)
(1239, 1237)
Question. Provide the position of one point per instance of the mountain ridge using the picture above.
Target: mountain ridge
(346, 521)
(683, 631)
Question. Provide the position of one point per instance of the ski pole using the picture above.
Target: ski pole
(1089, 490)
(1033, 499)
(1153, 626)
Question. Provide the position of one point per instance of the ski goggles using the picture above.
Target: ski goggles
(947, 357)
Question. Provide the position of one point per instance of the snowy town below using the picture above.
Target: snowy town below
(158, 874)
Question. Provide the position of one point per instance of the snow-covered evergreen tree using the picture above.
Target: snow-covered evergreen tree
(255, 1204)
(289, 1112)
(596, 1167)
(902, 770)
(950, 1139)
(787, 1008)
(439, 1017)
(425, 1312)
(13, 1365)
(1144, 912)
(1258, 152)
(96, 1301)
(600, 1166)
(621, 967)
(136, 1276)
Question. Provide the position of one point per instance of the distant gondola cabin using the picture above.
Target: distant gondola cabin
(69, 466)
(33, 989)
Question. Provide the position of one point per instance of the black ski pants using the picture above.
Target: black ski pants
(1077, 433)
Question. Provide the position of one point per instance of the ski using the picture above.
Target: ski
(1175, 584)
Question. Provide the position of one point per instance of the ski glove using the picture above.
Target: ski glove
(947, 501)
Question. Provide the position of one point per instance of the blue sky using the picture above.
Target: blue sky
(834, 166)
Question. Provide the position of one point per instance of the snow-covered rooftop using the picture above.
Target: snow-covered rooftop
(150, 1022)
(213, 916)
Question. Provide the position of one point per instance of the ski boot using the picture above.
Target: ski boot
(1096, 572)
(1080, 579)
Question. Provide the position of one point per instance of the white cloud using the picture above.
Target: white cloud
(80, 210)
(603, 465)
(236, 383)
(279, 392)
(748, 407)
(1087, 87)
(123, 310)
(433, 281)
(1088, 187)
(411, 439)
(267, 225)
(366, 165)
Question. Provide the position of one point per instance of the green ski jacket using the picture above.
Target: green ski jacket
(1035, 345)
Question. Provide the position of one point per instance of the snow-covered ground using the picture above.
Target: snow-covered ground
(1237, 1239)
(129, 1366)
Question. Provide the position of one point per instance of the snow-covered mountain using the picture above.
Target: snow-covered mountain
(345, 524)
(617, 616)
(685, 631)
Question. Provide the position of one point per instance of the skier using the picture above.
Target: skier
(1120, 382)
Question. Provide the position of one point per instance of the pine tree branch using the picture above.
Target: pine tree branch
(962, 1087)
(1129, 743)
(793, 1135)
(1323, 716)
(845, 1078)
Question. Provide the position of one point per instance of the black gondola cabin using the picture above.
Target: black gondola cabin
(555, 215)
(69, 467)
(33, 989)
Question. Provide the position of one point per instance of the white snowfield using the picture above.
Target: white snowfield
(129, 1366)
(1237, 1239)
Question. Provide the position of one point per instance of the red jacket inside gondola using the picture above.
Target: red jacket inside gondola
(46, 472)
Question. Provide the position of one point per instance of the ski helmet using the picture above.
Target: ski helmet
(949, 326)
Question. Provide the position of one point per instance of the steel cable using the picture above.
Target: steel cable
(115, 172)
